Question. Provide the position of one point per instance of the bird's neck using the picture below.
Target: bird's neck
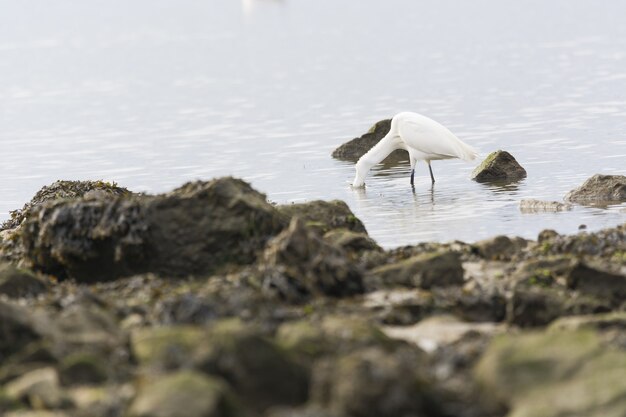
(374, 156)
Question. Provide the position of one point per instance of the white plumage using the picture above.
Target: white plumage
(424, 139)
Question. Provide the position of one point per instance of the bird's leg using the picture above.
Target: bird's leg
(413, 162)
(432, 177)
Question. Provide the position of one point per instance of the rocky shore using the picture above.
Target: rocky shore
(210, 301)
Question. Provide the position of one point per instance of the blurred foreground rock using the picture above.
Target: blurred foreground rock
(208, 301)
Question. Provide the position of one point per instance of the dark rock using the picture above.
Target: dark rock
(536, 306)
(437, 269)
(608, 244)
(17, 329)
(192, 230)
(500, 247)
(600, 189)
(64, 190)
(373, 383)
(471, 304)
(298, 263)
(538, 206)
(356, 148)
(17, 282)
(547, 235)
(166, 348)
(499, 166)
(597, 282)
(83, 369)
(185, 393)
(259, 371)
(323, 215)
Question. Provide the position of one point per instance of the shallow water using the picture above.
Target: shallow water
(152, 93)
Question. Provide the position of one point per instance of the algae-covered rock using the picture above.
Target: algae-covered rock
(596, 281)
(600, 189)
(561, 373)
(83, 368)
(608, 321)
(17, 282)
(64, 190)
(499, 166)
(323, 215)
(538, 206)
(356, 148)
(373, 383)
(184, 394)
(298, 263)
(192, 230)
(167, 347)
(428, 270)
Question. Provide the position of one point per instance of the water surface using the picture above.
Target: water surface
(152, 93)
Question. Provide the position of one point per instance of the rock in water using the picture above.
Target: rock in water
(499, 166)
(538, 206)
(600, 189)
(191, 231)
(356, 148)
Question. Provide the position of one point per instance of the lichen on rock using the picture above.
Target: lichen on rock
(499, 166)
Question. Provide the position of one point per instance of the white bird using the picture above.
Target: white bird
(424, 139)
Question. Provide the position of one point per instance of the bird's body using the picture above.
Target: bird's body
(423, 138)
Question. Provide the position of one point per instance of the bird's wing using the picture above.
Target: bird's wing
(429, 137)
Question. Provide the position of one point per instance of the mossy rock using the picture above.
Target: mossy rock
(438, 269)
(83, 368)
(553, 374)
(184, 394)
(499, 166)
(600, 190)
(166, 347)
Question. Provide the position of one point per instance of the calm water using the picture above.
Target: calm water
(152, 93)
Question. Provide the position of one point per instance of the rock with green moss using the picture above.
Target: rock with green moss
(499, 166)
(17, 282)
(192, 230)
(356, 148)
(308, 340)
(323, 216)
(597, 281)
(600, 190)
(167, 347)
(298, 264)
(438, 269)
(184, 394)
(374, 383)
(560, 373)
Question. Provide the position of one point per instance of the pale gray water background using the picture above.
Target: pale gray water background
(152, 93)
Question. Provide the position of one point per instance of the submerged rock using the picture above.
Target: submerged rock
(600, 189)
(193, 230)
(538, 206)
(298, 263)
(356, 148)
(499, 166)
(323, 216)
